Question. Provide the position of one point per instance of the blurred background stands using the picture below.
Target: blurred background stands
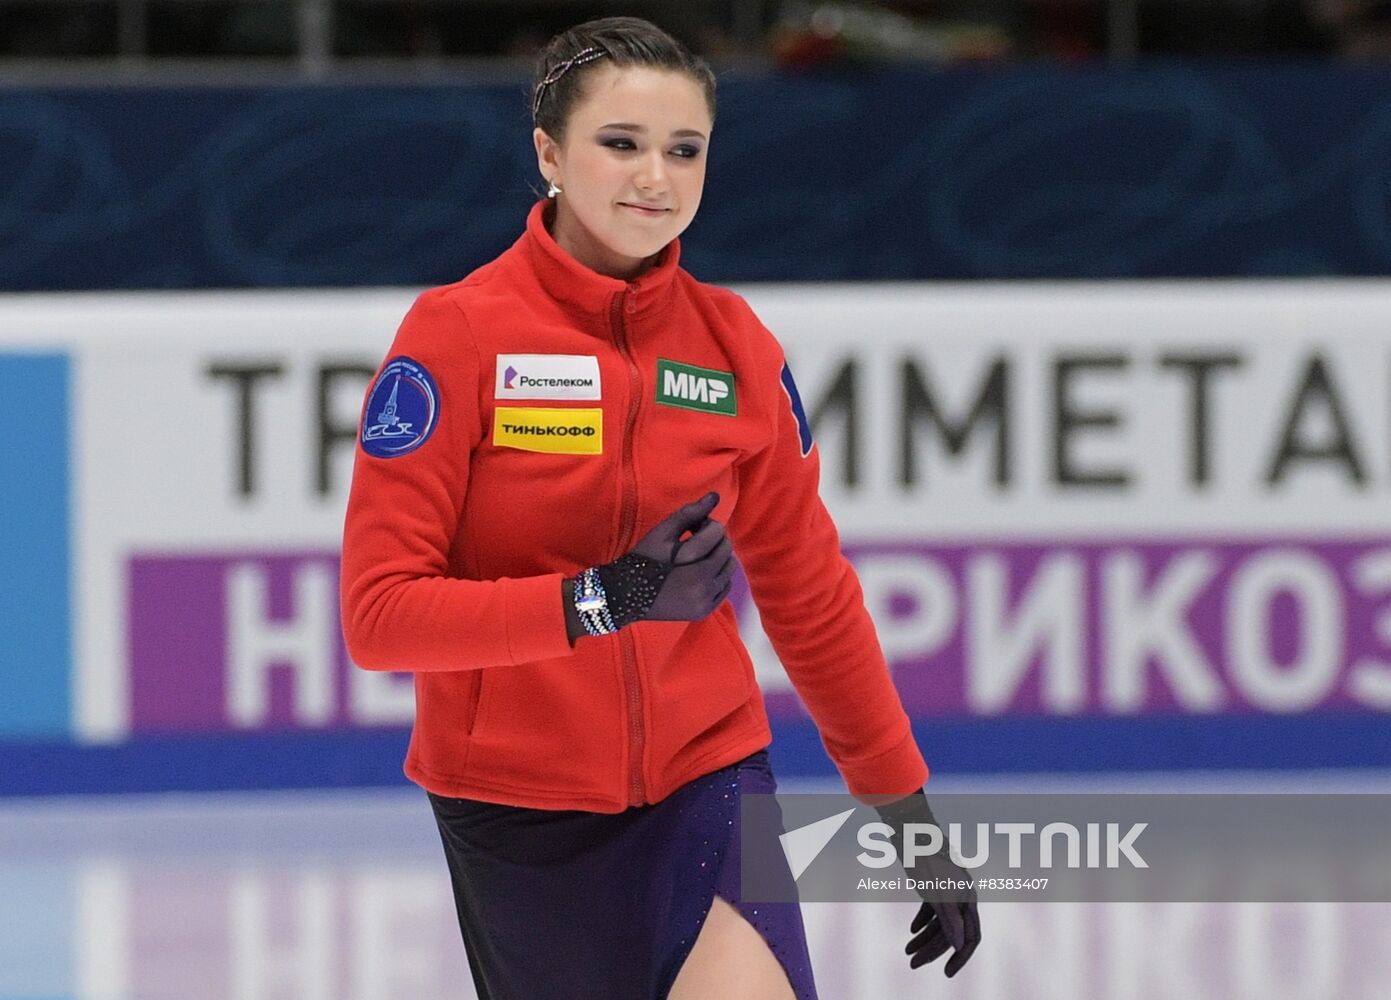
(317, 37)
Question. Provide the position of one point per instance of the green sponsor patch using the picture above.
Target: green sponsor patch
(695, 388)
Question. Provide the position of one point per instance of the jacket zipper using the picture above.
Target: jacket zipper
(637, 793)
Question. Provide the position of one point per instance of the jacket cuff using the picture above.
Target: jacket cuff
(535, 618)
(898, 771)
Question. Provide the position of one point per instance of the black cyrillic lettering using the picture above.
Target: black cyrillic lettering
(333, 436)
(1067, 420)
(244, 378)
(1316, 388)
(841, 397)
(1199, 369)
(991, 405)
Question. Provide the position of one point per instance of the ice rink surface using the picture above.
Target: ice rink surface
(344, 896)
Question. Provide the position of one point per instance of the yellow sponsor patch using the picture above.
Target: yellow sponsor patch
(549, 429)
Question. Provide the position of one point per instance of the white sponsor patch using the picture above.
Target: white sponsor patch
(547, 376)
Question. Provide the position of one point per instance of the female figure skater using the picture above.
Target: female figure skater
(557, 463)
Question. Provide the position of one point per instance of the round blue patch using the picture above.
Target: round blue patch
(402, 410)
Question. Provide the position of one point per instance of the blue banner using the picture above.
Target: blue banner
(1183, 170)
(35, 599)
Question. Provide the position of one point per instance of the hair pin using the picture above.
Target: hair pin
(583, 56)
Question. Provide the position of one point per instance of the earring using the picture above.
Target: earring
(552, 191)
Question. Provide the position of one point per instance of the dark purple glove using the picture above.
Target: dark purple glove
(689, 578)
(948, 918)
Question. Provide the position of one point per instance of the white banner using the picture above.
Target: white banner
(1091, 497)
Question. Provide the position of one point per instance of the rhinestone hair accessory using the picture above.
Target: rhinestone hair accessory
(578, 59)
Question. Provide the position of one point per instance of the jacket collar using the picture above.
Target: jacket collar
(584, 289)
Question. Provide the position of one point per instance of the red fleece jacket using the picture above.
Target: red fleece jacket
(536, 418)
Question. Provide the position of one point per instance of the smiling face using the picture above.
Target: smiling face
(631, 167)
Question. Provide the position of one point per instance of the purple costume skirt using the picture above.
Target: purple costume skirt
(570, 904)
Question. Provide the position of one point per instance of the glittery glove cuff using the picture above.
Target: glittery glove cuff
(631, 584)
(618, 593)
